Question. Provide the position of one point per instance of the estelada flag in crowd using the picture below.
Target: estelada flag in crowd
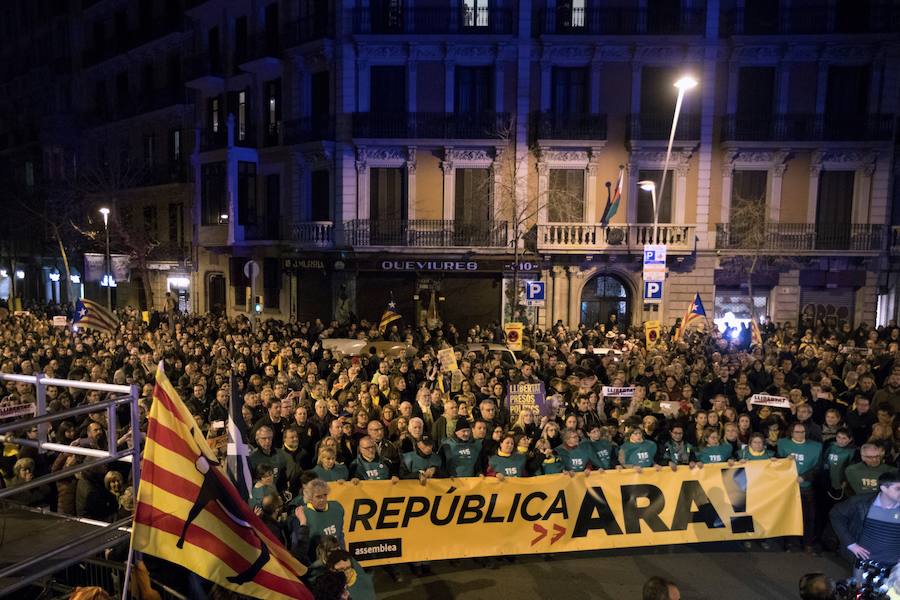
(694, 312)
(189, 513)
(90, 314)
(651, 332)
(755, 335)
(389, 316)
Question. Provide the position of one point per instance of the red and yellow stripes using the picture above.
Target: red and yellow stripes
(216, 546)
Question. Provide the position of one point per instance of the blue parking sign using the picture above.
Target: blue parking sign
(534, 293)
(653, 292)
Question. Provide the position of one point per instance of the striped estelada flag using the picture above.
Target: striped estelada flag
(694, 312)
(755, 334)
(189, 513)
(238, 450)
(90, 314)
(389, 315)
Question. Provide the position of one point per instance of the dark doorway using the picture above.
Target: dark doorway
(603, 295)
(215, 294)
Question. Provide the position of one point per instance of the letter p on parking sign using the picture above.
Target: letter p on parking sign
(534, 293)
(653, 292)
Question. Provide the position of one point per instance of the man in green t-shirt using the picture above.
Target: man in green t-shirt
(807, 455)
(838, 455)
(318, 518)
(862, 477)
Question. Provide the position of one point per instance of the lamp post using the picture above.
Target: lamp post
(683, 84)
(105, 212)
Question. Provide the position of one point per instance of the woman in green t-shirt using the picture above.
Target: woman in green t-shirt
(637, 452)
(713, 449)
(756, 449)
(328, 469)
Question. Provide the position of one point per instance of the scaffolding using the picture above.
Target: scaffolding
(51, 542)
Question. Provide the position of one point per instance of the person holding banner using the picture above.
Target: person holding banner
(461, 454)
(508, 460)
(637, 453)
(756, 449)
(676, 451)
(714, 450)
(807, 455)
(576, 455)
(421, 463)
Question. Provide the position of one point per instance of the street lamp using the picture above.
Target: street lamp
(105, 212)
(649, 186)
(684, 83)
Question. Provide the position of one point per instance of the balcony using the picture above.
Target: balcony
(433, 21)
(609, 20)
(312, 234)
(551, 126)
(802, 237)
(262, 55)
(867, 17)
(593, 237)
(205, 73)
(317, 26)
(307, 129)
(419, 125)
(806, 128)
(426, 233)
(658, 127)
(171, 251)
(164, 173)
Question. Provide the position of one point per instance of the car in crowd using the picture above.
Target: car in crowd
(355, 347)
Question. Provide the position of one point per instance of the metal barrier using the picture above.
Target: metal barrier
(85, 545)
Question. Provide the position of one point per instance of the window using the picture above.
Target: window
(602, 297)
(175, 145)
(846, 101)
(271, 28)
(645, 198)
(150, 221)
(834, 210)
(320, 94)
(570, 14)
(273, 106)
(214, 114)
(388, 89)
(756, 92)
(663, 16)
(473, 210)
(29, 175)
(320, 200)
(387, 206)
(214, 209)
(271, 282)
(657, 92)
(566, 197)
(240, 41)
(749, 186)
(248, 210)
(570, 90)
(474, 90)
(176, 223)
(242, 115)
(239, 281)
(215, 50)
(732, 307)
(761, 17)
(476, 13)
(149, 150)
(273, 205)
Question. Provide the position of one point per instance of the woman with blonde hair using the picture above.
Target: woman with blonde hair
(327, 467)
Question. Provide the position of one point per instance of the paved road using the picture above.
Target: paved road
(703, 572)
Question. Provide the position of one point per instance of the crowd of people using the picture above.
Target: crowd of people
(316, 417)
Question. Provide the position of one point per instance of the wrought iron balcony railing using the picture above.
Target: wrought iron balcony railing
(650, 126)
(802, 237)
(485, 125)
(552, 126)
(314, 234)
(807, 128)
(865, 17)
(307, 129)
(316, 26)
(433, 20)
(426, 233)
(614, 20)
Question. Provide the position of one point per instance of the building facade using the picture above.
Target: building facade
(358, 150)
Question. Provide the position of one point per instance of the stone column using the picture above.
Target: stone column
(815, 169)
(777, 183)
(558, 294)
(449, 197)
(411, 183)
(574, 297)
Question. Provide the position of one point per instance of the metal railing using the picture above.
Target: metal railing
(649, 126)
(807, 127)
(869, 17)
(588, 237)
(319, 25)
(433, 20)
(802, 237)
(105, 574)
(315, 234)
(439, 125)
(553, 126)
(307, 129)
(427, 233)
(23, 573)
(610, 20)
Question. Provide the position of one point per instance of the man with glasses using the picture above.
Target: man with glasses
(863, 476)
(868, 525)
(266, 452)
(385, 448)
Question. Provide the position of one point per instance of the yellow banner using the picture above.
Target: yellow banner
(456, 518)
(651, 332)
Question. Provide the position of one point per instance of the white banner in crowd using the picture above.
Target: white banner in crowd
(622, 392)
(773, 401)
(16, 410)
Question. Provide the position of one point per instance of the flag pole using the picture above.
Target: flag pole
(128, 563)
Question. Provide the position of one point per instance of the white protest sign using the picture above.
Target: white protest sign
(59, 321)
(773, 401)
(623, 392)
(448, 360)
(669, 408)
(16, 410)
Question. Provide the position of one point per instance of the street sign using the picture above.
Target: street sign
(534, 293)
(251, 269)
(653, 292)
(654, 262)
(513, 333)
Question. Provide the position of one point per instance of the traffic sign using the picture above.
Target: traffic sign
(534, 293)
(653, 292)
(654, 254)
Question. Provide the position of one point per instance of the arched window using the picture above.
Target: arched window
(602, 296)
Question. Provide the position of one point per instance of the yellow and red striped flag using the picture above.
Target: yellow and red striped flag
(755, 334)
(694, 312)
(189, 513)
